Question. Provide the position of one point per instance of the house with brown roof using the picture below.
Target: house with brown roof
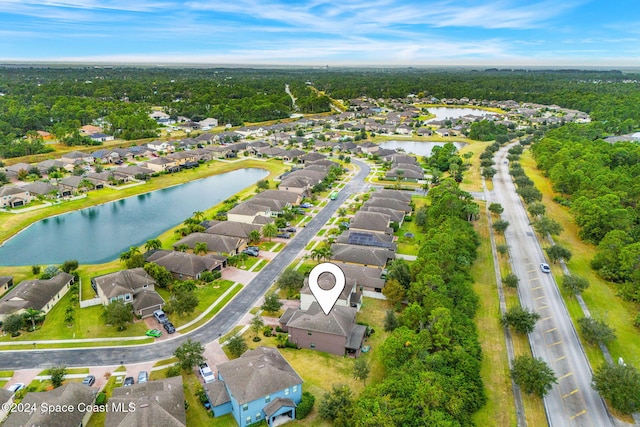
(349, 297)
(248, 211)
(404, 196)
(389, 203)
(186, 266)
(12, 196)
(38, 294)
(157, 403)
(287, 197)
(259, 385)
(371, 221)
(134, 286)
(232, 228)
(222, 245)
(335, 333)
(162, 164)
(71, 395)
(365, 255)
(367, 280)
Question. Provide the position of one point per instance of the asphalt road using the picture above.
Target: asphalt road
(219, 325)
(572, 401)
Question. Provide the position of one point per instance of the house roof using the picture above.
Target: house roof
(367, 238)
(257, 373)
(18, 167)
(356, 337)
(10, 190)
(339, 321)
(328, 281)
(33, 293)
(184, 263)
(276, 404)
(134, 170)
(394, 215)
(366, 255)
(217, 393)
(404, 196)
(287, 315)
(406, 173)
(5, 279)
(283, 196)
(388, 203)
(71, 393)
(310, 157)
(232, 228)
(373, 221)
(215, 242)
(72, 181)
(40, 187)
(123, 282)
(249, 208)
(147, 298)
(157, 403)
(362, 276)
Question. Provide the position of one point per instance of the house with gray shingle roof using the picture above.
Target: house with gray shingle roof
(365, 255)
(335, 333)
(259, 385)
(133, 286)
(72, 395)
(228, 245)
(156, 403)
(371, 221)
(13, 196)
(232, 228)
(186, 266)
(38, 294)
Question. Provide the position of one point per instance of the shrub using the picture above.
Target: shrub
(101, 398)
(256, 339)
(35, 269)
(290, 344)
(174, 371)
(305, 406)
(267, 331)
(279, 329)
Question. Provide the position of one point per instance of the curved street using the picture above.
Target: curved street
(217, 326)
(572, 401)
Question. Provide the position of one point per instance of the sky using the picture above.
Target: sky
(323, 32)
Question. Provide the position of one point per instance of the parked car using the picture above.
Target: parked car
(16, 387)
(143, 377)
(283, 235)
(169, 327)
(153, 333)
(291, 229)
(89, 380)
(207, 373)
(545, 267)
(160, 316)
(128, 381)
(251, 252)
(306, 205)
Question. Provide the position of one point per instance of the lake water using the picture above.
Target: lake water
(420, 148)
(443, 113)
(100, 233)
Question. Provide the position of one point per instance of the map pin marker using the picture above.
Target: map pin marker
(326, 297)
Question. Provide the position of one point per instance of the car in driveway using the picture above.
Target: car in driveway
(207, 373)
(153, 333)
(160, 316)
(306, 205)
(284, 235)
(13, 388)
(545, 267)
(89, 380)
(143, 377)
(169, 327)
(251, 252)
(128, 381)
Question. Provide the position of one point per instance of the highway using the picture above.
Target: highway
(572, 401)
(217, 326)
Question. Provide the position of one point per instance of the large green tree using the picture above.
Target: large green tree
(533, 375)
(619, 384)
(189, 354)
(118, 314)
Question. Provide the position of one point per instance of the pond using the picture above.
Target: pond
(100, 233)
(419, 148)
(443, 113)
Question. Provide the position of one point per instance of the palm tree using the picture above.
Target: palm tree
(198, 215)
(153, 244)
(317, 254)
(33, 315)
(327, 253)
(269, 230)
(200, 248)
(182, 247)
(254, 236)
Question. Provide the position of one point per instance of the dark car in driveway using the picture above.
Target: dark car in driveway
(284, 235)
(251, 252)
(169, 327)
(128, 381)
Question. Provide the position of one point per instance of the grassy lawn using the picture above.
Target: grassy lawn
(248, 263)
(472, 180)
(219, 305)
(197, 415)
(6, 374)
(88, 271)
(410, 245)
(321, 232)
(229, 334)
(268, 246)
(163, 362)
(207, 295)
(88, 324)
(600, 297)
(260, 265)
(70, 371)
(500, 407)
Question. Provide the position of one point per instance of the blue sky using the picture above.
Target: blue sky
(317, 32)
